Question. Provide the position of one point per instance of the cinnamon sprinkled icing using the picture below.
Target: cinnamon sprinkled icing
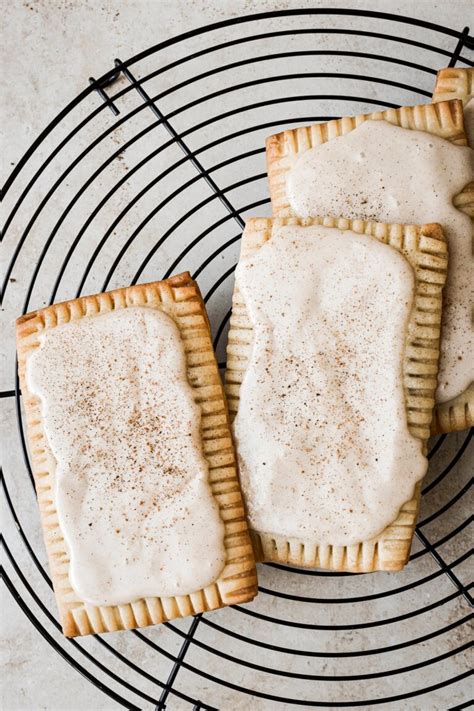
(386, 173)
(132, 493)
(324, 448)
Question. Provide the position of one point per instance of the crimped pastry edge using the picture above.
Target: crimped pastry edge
(454, 83)
(425, 248)
(444, 119)
(179, 297)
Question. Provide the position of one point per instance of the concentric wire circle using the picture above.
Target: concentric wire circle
(152, 170)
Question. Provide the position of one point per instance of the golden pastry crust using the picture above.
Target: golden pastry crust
(180, 298)
(425, 248)
(443, 118)
(453, 83)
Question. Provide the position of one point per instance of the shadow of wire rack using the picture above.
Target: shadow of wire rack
(170, 143)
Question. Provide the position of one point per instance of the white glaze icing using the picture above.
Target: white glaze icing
(325, 453)
(390, 174)
(131, 482)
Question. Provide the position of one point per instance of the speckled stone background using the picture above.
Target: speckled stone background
(315, 638)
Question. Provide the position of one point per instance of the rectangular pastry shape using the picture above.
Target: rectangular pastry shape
(443, 119)
(426, 251)
(178, 298)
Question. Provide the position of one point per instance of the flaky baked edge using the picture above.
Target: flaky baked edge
(425, 248)
(180, 298)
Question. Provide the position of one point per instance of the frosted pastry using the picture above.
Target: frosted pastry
(408, 165)
(133, 459)
(331, 372)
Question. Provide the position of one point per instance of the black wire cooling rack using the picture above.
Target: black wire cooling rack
(144, 151)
